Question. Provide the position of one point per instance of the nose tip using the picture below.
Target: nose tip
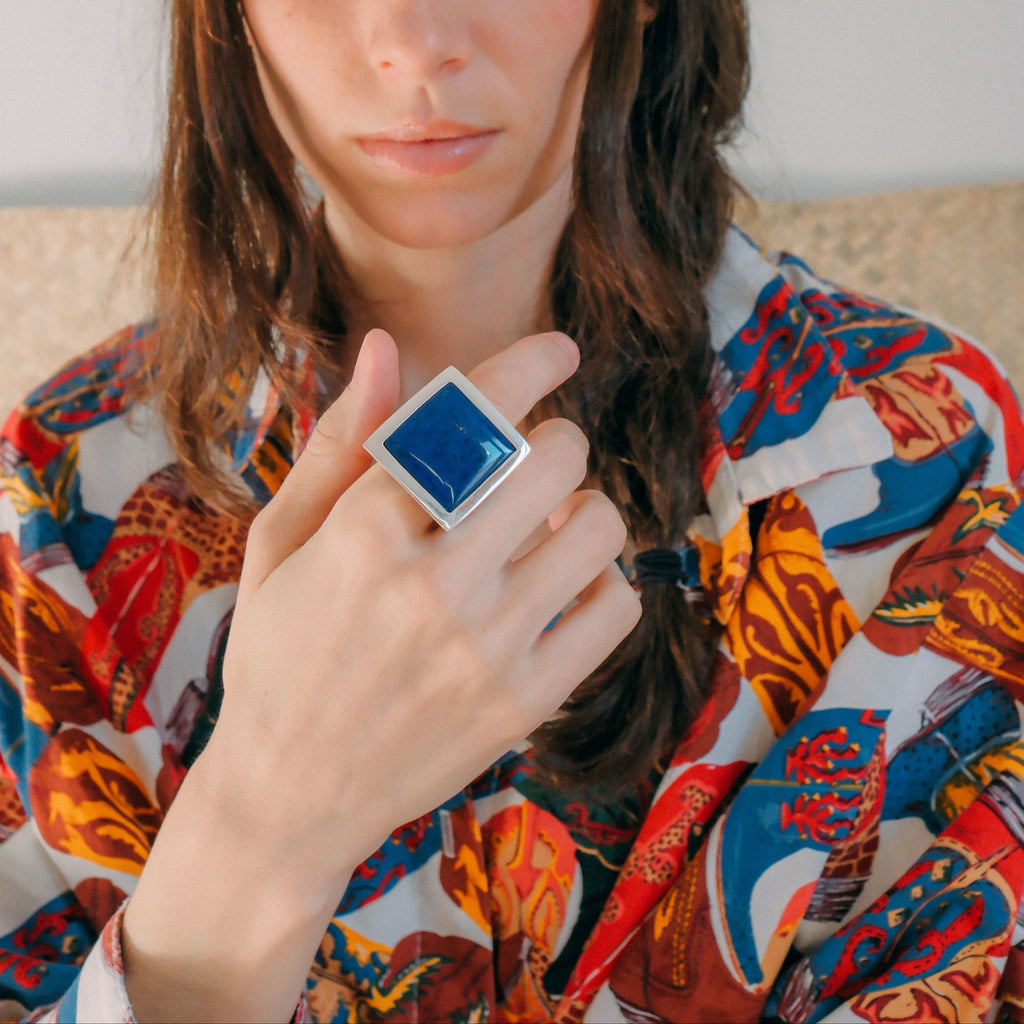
(419, 39)
(404, 63)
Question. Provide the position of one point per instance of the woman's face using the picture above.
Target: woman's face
(428, 122)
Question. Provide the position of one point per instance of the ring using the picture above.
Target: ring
(448, 446)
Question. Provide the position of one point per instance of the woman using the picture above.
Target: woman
(790, 787)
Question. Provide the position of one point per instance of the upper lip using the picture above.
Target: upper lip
(419, 131)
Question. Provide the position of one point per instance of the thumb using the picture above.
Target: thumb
(332, 460)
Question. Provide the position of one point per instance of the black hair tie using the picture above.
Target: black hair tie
(659, 565)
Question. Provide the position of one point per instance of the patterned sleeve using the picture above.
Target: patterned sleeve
(945, 939)
(913, 910)
(843, 837)
(102, 558)
(55, 789)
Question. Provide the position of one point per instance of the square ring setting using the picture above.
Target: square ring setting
(448, 446)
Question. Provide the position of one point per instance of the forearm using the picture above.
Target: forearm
(226, 919)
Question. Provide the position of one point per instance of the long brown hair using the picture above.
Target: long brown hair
(247, 279)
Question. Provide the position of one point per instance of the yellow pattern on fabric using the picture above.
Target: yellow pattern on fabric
(405, 985)
(111, 816)
(473, 901)
(792, 620)
(724, 566)
(359, 946)
(41, 634)
(971, 778)
(988, 514)
(28, 500)
(987, 601)
(273, 461)
(912, 609)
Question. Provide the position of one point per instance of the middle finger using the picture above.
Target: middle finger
(514, 380)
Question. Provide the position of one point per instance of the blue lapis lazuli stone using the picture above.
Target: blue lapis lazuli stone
(449, 446)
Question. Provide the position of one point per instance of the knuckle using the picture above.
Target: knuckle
(426, 594)
(431, 591)
(323, 440)
(359, 544)
(508, 391)
(604, 519)
(557, 354)
(519, 719)
(632, 608)
(513, 710)
(475, 674)
(476, 662)
(570, 434)
(566, 442)
(627, 597)
(376, 514)
(517, 378)
(262, 525)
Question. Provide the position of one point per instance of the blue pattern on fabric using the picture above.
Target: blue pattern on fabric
(55, 937)
(801, 796)
(912, 493)
(954, 734)
(788, 374)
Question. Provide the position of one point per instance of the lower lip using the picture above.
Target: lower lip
(430, 158)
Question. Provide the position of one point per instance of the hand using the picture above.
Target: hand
(376, 663)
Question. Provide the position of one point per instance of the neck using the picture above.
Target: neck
(456, 305)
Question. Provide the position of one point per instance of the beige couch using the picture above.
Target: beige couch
(957, 253)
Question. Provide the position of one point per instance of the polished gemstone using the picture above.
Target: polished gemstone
(449, 447)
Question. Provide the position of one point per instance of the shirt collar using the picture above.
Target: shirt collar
(782, 409)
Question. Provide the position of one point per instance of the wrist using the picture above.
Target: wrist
(224, 923)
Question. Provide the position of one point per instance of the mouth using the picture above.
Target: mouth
(418, 150)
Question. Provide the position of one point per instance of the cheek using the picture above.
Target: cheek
(549, 55)
(304, 109)
(299, 58)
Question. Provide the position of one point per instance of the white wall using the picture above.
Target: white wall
(80, 99)
(862, 95)
(847, 95)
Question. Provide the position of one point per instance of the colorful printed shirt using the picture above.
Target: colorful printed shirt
(838, 837)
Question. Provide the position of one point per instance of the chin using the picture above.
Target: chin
(432, 218)
(416, 230)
